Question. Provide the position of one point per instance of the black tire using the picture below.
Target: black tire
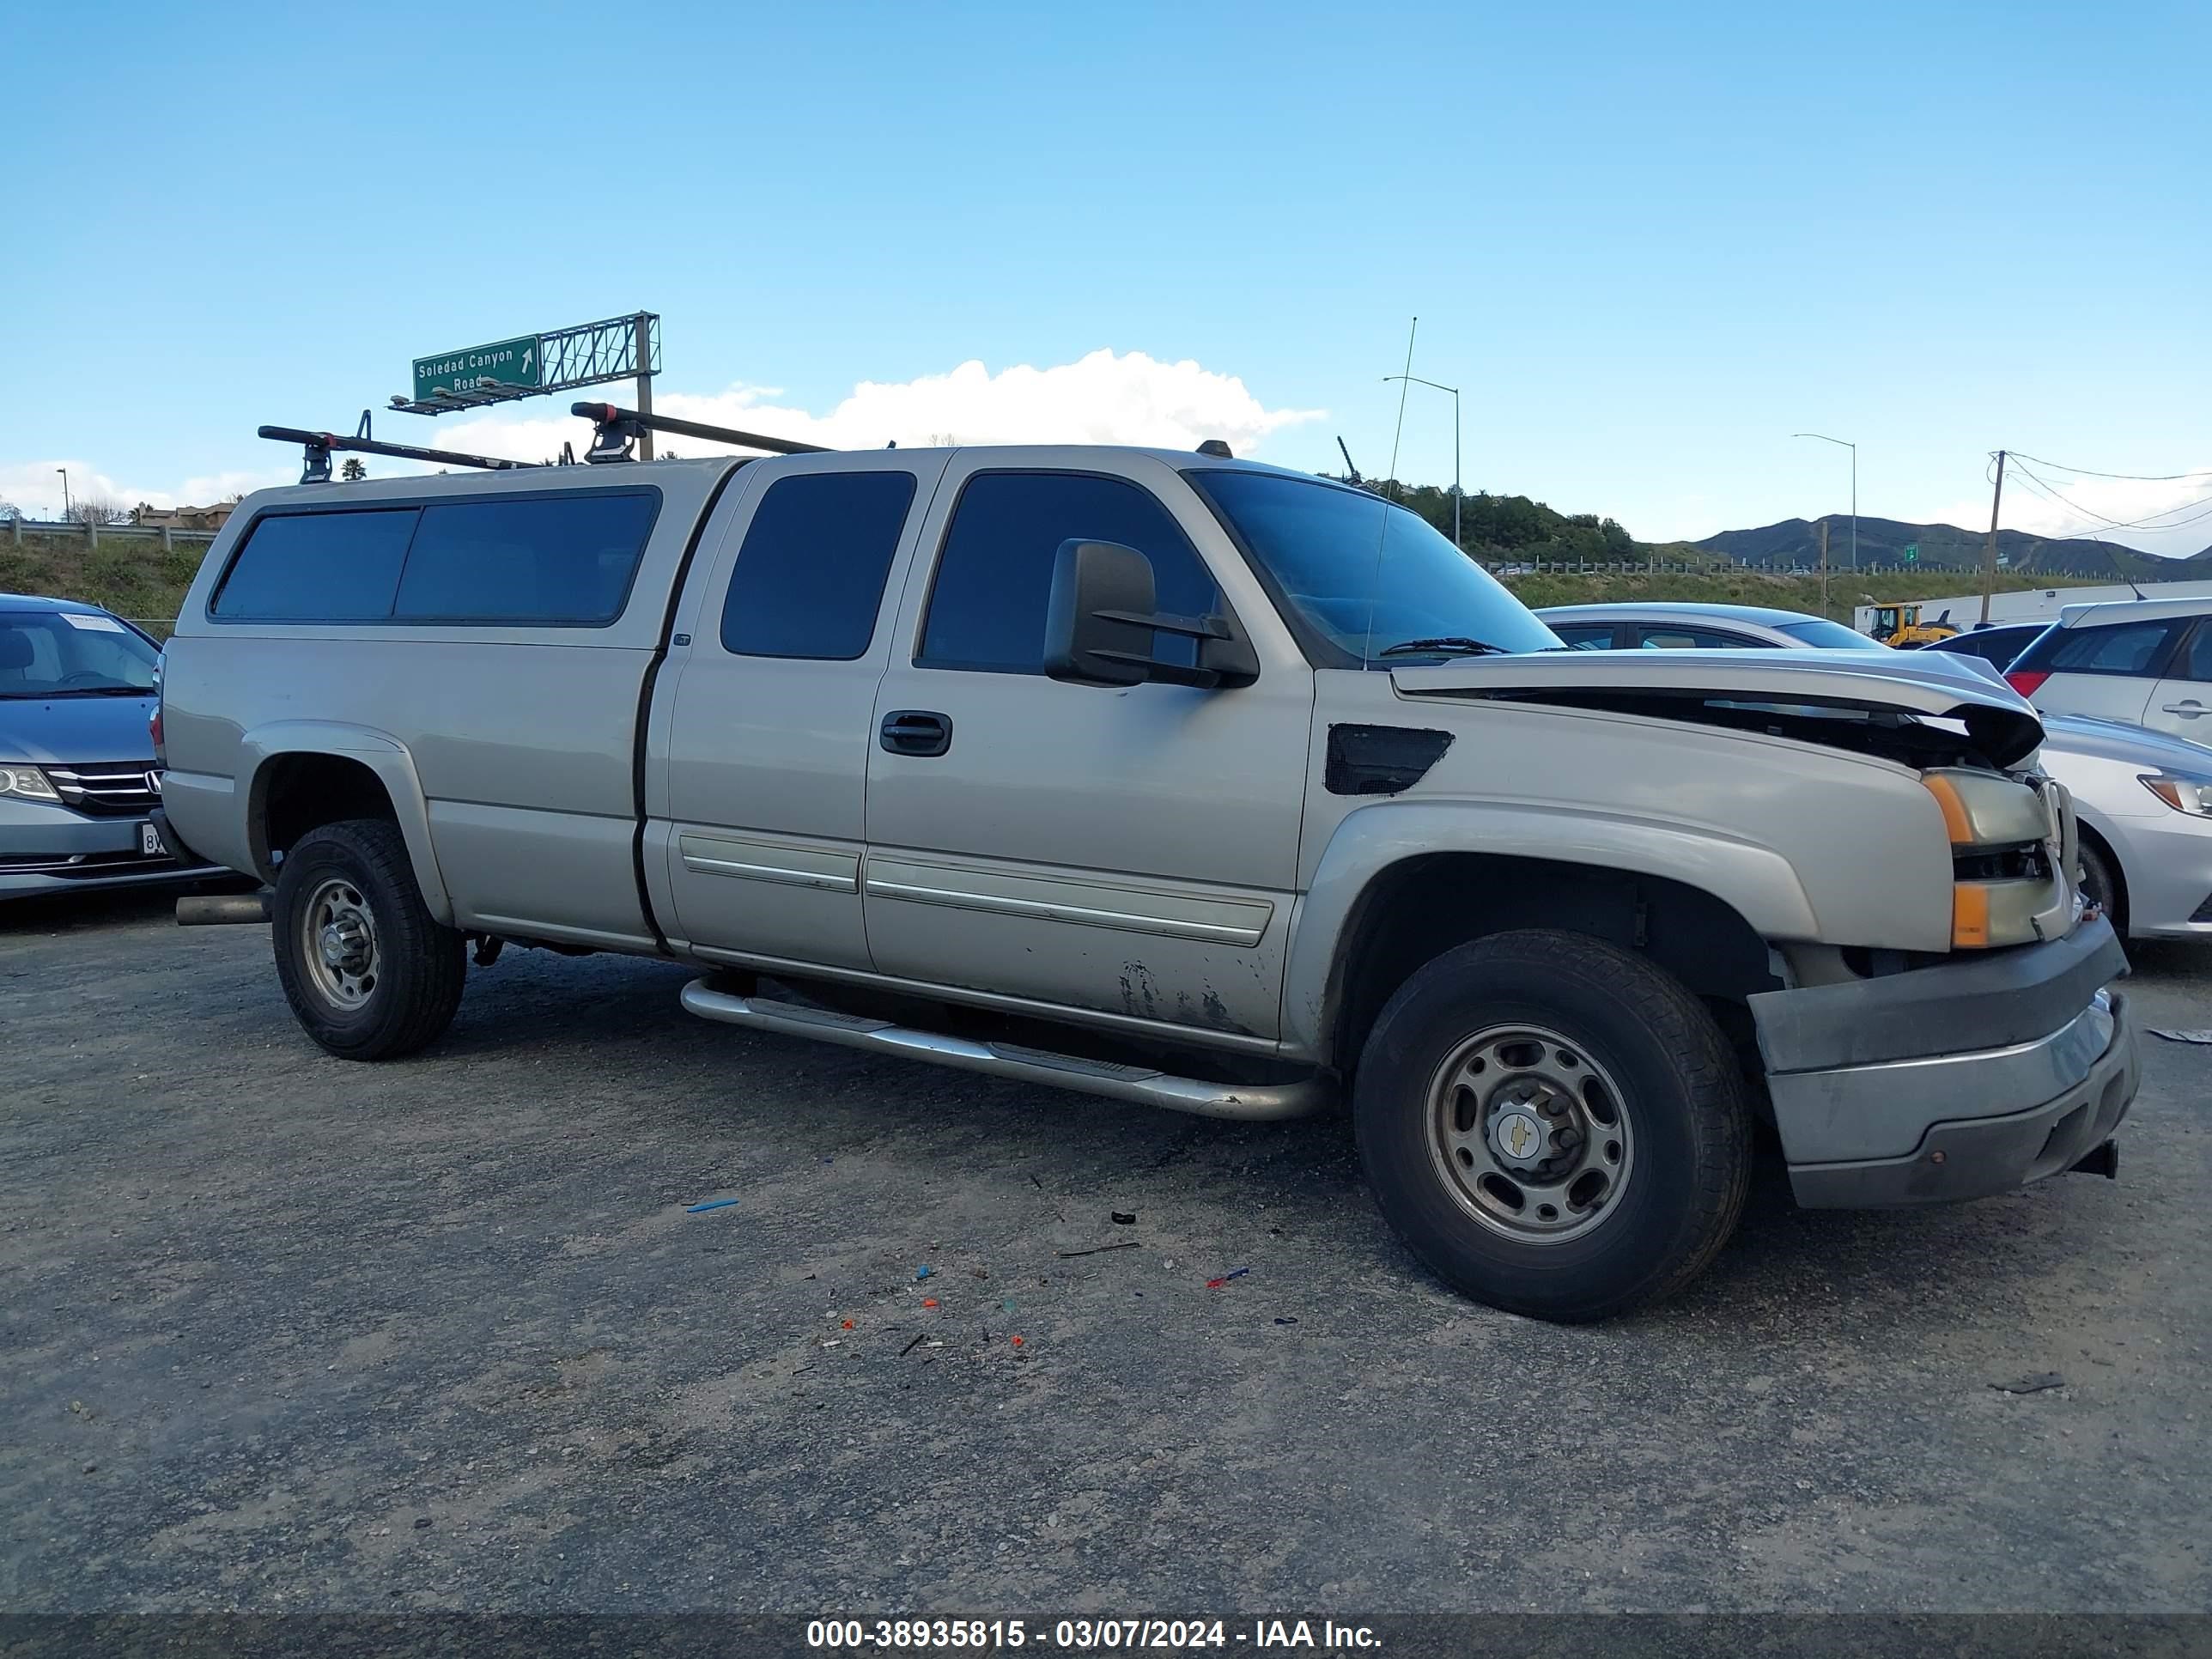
(2100, 885)
(416, 967)
(1683, 1097)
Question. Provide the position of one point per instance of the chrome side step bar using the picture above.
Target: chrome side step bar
(1096, 1076)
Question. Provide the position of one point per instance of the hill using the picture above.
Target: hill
(1882, 541)
(133, 577)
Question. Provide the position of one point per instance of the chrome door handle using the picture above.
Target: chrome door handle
(2189, 710)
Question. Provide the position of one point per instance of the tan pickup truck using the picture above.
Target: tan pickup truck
(1175, 779)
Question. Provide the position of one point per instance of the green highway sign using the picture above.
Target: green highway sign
(1911, 549)
(510, 362)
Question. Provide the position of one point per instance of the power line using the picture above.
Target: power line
(2162, 520)
(2132, 477)
(2157, 522)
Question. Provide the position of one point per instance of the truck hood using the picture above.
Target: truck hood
(69, 730)
(1876, 700)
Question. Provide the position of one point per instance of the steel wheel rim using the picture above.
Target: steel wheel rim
(1529, 1134)
(338, 944)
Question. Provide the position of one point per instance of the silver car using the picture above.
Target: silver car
(2144, 800)
(2144, 797)
(1659, 626)
(78, 783)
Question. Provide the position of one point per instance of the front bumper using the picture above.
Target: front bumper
(1950, 1082)
(46, 849)
(2165, 863)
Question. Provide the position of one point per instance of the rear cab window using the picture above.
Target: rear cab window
(810, 574)
(558, 561)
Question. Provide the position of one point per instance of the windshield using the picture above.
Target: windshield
(1370, 584)
(71, 654)
(1829, 635)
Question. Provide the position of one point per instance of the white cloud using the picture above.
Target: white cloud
(1101, 399)
(35, 487)
(2171, 516)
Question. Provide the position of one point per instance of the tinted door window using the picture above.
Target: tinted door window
(2128, 648)
(809, 577)
(318, 567)
(564, 561)
(1586, 636)
(1995, 645)
(1669, 637)
(2197, 665)
(986, 608)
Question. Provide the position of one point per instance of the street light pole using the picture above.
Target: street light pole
(1854, 448)
(65, 499)
(1454, 390)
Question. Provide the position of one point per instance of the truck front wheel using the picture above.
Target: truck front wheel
(1554, 1126)
(368, 973)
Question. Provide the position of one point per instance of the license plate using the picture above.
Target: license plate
(149, 842)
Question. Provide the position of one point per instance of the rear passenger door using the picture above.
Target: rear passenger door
(2180, 702)
(757, 787)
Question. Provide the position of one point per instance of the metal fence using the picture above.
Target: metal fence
(92, 534)
(1712, 567)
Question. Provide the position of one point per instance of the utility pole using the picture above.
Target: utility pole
(1824, 566)
(1990, 550)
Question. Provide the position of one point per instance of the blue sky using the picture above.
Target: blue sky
(1648, 244)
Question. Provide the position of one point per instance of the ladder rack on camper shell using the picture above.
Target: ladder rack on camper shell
(318, 446)
(615, 429)
(615, 433)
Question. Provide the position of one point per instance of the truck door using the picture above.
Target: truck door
(1132, 851)
(757, 781)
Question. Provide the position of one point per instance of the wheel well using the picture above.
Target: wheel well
(299, 793)
(2119, 876)
(1420, 907)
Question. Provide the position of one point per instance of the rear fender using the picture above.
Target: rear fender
(382, 754)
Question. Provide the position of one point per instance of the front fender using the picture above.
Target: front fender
(383, 754)
(1754, 881)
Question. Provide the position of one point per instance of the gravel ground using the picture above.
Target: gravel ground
(287, 1332)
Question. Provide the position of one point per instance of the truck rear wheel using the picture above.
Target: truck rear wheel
(1554, 1126)
(369, 974)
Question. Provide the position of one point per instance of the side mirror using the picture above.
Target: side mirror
(1102, 617)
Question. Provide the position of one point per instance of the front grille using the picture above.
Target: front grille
(2202, 912)
(109, 789)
